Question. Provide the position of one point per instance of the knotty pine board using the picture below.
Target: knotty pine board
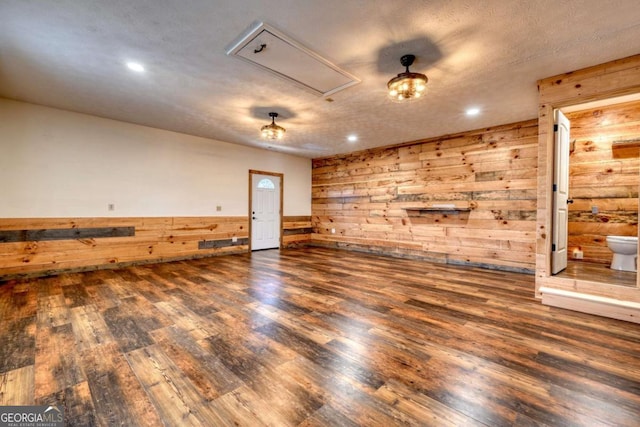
(615, 78)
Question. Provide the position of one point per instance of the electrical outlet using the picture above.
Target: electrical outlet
(111, 207)
(218, 208)
(333, 231)
(234, 239)
(578, 254)
(594, 210)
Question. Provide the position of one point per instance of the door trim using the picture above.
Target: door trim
(276, 174)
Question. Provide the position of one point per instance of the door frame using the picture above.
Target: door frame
(544, 275)
(280, 208)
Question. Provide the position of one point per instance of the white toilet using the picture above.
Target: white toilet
(625, 252)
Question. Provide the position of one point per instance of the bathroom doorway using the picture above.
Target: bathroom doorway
(604, 173)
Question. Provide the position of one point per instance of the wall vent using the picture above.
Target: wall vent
(273, 51)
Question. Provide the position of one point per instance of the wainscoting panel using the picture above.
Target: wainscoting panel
(296, 231)
(42, 246)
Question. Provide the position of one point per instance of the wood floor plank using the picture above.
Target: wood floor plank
(429, 411)
(76, 401)
(18, 343)
(311, 337)
(24, 301)
(53, 311)
(293, 403)
(103, 296)
(244, 407)
(117, 394)
(321, 355)
(328, 416)
(198, 305)
(125, 330)
(197, 327)
(309, 328)
(343, 396)
(176, 399)
(201, 367)
(76, 295)
(17, 386)
(58, 364)
(89, 327)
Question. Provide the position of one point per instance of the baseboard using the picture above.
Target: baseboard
(415, 255)
(591, 304)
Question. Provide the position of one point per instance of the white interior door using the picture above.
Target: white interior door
(560, 193)
(265, 211)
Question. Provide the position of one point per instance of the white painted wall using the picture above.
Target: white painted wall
(56, 163)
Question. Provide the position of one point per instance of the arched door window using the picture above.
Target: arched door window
(266, 183)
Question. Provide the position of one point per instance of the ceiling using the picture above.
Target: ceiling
(71, 54)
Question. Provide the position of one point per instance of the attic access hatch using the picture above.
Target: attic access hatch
(271, 50)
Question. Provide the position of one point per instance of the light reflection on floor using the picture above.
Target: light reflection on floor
(598, 273)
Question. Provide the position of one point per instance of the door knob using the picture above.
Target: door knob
(569, 201)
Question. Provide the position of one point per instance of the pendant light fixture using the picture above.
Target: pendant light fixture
(406, 86)
(272, 130)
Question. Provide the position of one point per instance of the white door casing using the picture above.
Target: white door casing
(560, 220)
(265, 211)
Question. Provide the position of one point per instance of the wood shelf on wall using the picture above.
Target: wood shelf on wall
(452, 209)
(424, 208)
(438, 208)
(628, 143)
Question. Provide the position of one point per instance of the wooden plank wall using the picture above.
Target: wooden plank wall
(603, 173)
(378, 200)
(155, 239)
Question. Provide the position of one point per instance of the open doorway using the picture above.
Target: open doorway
(603, 185)
(265, 210)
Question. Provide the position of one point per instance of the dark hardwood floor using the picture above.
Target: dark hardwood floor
(312, 337)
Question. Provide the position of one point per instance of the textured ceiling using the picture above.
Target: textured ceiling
(71, 54)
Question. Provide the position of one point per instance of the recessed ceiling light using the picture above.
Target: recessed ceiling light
(473, 111)
(352, 138)
(135, 66)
